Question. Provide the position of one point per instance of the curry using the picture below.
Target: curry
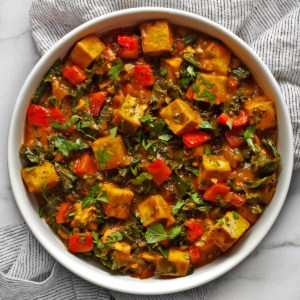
(150, 149)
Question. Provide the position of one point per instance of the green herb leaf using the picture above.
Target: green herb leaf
(235, 215)
(248, 135)
(141, 178)
(176, 208)
(146, 146)
(240, 73)
(205, 125)
(64, 146)
(115, 237)
(207, 150)
(229, 123)
(66, 125)
(155, 233)
(114, 72)
(103, 157)
(165, 137)
(269, 144)
(96, 239)
(207, 84)
(163, 71)
(175, 231)
(113, 132)
(205, 94)
(189, 39)
(196, 89)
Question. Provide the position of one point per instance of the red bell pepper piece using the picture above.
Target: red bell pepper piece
(143, 75)
(216, 192)
(81, 243)
(195, 139)
(75, 75)
(97, 100)
(38, 115)
(179, 45)
(236, 121)
(235, 199)
(41, 116)
(128, 47)
(195, 254)
(62, 214)
(232, 83)
(159, 171)
(194, 230)
(85, 165)
(234, 137)
(190, 93)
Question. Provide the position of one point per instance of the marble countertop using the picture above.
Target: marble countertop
(272, 271)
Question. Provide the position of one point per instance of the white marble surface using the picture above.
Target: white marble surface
(272, 271)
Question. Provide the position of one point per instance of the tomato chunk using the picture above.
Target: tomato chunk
(85, 165)
(235, 199)
(179, 45)
(194, 230)
(81, 243)
(190, 93)
(96, 103)
(128, 47)
(75, 75)
(143, 75)
(195, 254)
(232, 83)
(216, 192)
(62, 214)
(234, 137)
(159, 171)
(195, 139)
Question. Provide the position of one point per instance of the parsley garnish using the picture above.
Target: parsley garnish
(177, 207)
(64, 146)
(115, 237)
(103, 157)
(248, 135)
(114, 72)
(96, 195)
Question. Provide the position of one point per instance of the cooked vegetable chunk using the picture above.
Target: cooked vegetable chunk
(157, 37)
(263, 109)
(176, 264)
(216, 58)
(83, 216)
(127, 117)
(110, 152)
(212, 88)
(155, 209)
(180, 117)
(86, 51)
(216, 163)
(119, 201)
(36, 178)
(173, 66)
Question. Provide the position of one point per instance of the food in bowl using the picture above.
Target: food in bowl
(151, 149)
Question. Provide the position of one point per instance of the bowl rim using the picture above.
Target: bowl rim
(122, 283)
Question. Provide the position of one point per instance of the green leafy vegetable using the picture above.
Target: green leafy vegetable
(176, 208)
(141, 178)
(64, 146)
(269, 144)
(66, 125)
(205, 94)
(207, 84)
(156, 233)
(96, 239)
(114, 72)
(248, 135)
(113, 132)
(205, 125)
(165, 137)
(189, 39)
(240, 73)
(103, 157)
(96, 195)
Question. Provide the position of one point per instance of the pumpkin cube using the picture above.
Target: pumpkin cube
(86, 51)
(155, 209)
(262, 108)
(212, 88)
(216, 58)
(157, 37)
(119, 200)
(127, 116)
(110, 152)
(176, 264)
(180, 117)
(38, 177)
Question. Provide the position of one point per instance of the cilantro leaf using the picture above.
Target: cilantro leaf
(177, 207)
(141, 178)
(165, 137)
(113, 132)
(64, 146)
(175, 231)
(66, 125)
(205, 125)
(115, 237)
(95, 195)
(207, 84)
(248, 135)
(205, 94)
(114, 72)
(155, 233)
(103, 157)
(96, 240)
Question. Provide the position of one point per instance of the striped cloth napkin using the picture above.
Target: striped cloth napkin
(270, 27)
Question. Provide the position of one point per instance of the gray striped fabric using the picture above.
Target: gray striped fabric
(270, 27)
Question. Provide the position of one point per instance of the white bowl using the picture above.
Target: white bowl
(89, 270)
